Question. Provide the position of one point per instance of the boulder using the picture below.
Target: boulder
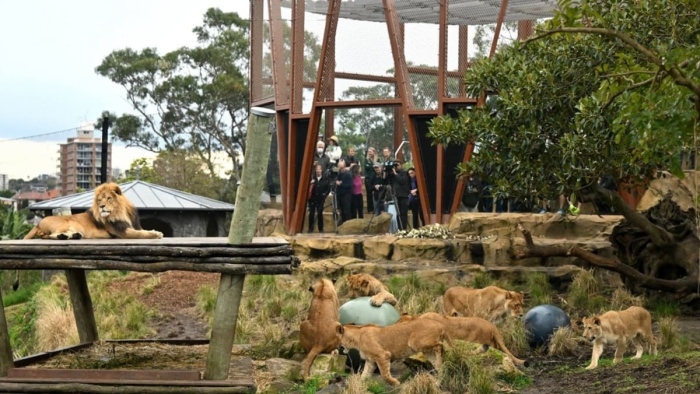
(379, 247)
(684, 192)
(328, 266)
(368, 225)
(324, 246)
(269, 221)
(423, 248)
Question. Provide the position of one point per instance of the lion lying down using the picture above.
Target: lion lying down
(318, 332)
(379, 346)
(491, 303)
(470, 329)
(618, 327)
(367, 285)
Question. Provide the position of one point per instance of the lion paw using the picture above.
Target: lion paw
(590, 367)
(156, 234)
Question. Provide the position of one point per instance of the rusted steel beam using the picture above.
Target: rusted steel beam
(282, 158)
(365, 77)
(406, 96)
(470, 147)
(256, 56)
(326, 65)
(398, 110)
(359, 103)
(279, 76)
(441, 93)
(297, 57)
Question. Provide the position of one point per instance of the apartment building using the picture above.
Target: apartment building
(80, 161)
(4, 182)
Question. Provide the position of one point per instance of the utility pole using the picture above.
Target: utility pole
(105, 147)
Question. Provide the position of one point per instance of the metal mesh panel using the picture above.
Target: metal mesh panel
(421, 49)
(267, 90)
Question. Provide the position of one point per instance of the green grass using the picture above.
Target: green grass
(22, 295)
(662, 307)
(538, 289)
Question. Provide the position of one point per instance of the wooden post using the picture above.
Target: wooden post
(82, 305)
(6, 361)
(242, 229)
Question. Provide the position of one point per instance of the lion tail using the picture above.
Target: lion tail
(499, 344)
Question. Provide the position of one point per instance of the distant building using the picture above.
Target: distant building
(4, 182)
(81, 162)
(24, 199)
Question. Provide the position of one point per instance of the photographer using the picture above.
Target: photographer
(344, 191)
(318, 190)
(400, 183)
(377, 187)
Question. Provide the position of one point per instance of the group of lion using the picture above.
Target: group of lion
(469, 315)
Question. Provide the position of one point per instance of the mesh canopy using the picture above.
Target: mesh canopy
(478, 12)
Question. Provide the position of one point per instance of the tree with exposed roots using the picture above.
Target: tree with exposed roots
(605, 88)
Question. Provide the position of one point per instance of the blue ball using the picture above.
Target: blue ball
(359, 311)
(542, 321)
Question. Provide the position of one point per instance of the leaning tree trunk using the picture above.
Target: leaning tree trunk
(670, 267)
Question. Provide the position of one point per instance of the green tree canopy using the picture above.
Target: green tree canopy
(191, 98)
(606, 87)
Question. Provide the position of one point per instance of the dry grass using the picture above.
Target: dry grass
(421, 383)
(515, 335)
(565, 342)
(356, 385)
(55, 326)
(584, 293)
(623, 299)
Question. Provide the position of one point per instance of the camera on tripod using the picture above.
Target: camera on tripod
(389, 170)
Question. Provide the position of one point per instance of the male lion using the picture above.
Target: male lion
(618, 327)
(491, 303)
(367, 285)
(382, 345)
(470, 329)
(317, 334)
(111, 215)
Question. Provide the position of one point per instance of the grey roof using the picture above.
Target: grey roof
(460, 12)
(143, 195)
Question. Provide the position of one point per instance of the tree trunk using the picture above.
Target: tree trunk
(670, 267)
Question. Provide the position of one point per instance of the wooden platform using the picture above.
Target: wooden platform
(264, 255)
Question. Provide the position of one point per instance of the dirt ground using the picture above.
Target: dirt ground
(173, 294)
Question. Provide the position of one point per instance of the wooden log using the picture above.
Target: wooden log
(5, 349)
(82, 305)
(241, 231)
(283, 267)
(140, 250)
(116, 387)
(31, 262)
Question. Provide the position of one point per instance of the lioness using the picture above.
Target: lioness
(470, 329)
(367, 285)
(491, 303)
(381, 345)
(317, 333)
(618, 327)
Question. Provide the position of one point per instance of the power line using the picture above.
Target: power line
(40, 135)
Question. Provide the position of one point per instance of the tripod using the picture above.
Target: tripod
(334, 205)
(388, 196)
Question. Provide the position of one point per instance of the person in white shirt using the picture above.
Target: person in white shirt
(334, 151)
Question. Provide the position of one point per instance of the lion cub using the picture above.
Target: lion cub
(491, 303)
(367, 285)
(379, 346)
(318, 332)
(470, 329)
(618, 327)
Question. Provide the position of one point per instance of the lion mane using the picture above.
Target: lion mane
(111, 215)
(367, 285)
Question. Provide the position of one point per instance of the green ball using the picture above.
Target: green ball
(359, 311)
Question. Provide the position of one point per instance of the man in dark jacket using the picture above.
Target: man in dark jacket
(401, 186)
(317, 197)
(472, 193)
(344, 191)
(320, 157)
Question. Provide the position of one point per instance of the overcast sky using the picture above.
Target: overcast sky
(49, 52)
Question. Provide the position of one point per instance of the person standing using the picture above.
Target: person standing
(370, 175)
(320, 187)
(473, 190)
(334, 151)
(400, 185)
(344, 191)
(414, 199)
(320, 157)
(351, 160)
(378, 190)
(356, 201)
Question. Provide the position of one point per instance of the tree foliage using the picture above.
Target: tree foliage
(191, 98)
(180, 170)
(606, 87)
(568, 108)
